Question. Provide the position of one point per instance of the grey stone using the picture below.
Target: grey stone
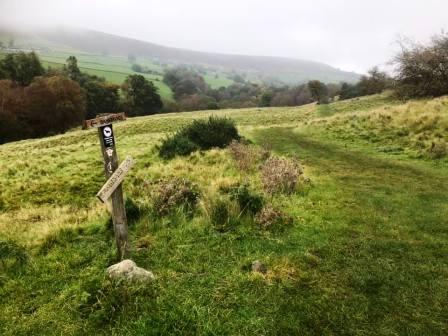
(259, 267)
(128, 270)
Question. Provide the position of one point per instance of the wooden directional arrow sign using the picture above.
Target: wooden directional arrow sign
(115, 179)
(104, 120)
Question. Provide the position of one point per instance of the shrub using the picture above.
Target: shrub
(214, 132)
(247, 156)
(269, 218)
(201, 134)
(175, 193)
(178, 144)
(280, 175)
(248, 201)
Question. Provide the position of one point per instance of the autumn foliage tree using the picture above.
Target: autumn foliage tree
(49, 105)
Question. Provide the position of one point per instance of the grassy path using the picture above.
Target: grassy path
(384, 225)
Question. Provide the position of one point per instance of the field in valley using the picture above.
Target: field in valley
(366, 253)
(115, 69)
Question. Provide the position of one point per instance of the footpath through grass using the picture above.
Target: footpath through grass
(383, 259)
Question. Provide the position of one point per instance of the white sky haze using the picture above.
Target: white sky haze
(351, 35)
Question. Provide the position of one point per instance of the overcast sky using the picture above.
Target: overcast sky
(349, 34)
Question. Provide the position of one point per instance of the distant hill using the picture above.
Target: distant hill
(275, 69)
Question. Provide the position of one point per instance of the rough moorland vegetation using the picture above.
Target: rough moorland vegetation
(355, 245)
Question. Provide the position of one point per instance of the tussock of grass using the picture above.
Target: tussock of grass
(419, 127)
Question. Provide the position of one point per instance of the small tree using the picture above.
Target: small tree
(72, 68)
(348, 91)
(141, 97)
(376, 82)
(137, 67)
(319, 91)
(101, 97)
(422, 70)
(266, 99)
(21, 67)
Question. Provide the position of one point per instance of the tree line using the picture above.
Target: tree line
(191, 92)
(36, 102)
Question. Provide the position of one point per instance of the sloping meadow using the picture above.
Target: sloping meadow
(199, 221)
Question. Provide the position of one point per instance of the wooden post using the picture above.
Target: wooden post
(108, 150)
(110, 156)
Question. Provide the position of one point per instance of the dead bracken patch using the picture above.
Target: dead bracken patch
(281, 175)
(269, 218)
(173, 193)
(247, 156)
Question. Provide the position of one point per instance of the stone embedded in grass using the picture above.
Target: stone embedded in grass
(259, 267)
(128, 270)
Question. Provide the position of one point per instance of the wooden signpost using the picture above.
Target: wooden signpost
(112, 189)
(115, 180)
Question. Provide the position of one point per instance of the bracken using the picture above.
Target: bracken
(281, 175)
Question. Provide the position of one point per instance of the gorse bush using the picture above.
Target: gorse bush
(178, 144)
(214, 132)
(175, 193)
(201, 134)
(280, 175)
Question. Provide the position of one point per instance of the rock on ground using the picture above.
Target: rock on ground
(259, 267)
(128, 270)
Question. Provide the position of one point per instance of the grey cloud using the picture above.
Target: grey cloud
(351, 34)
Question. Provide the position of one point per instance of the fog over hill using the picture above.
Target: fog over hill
(281, 69)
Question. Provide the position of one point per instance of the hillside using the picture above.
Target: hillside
(76, 41)
(365, 253)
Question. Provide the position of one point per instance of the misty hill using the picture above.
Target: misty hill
(261, 67)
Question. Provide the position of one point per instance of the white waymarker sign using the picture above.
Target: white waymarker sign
(115, 179)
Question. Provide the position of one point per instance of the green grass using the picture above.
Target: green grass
(115, 69)
(217, 80)
(366, 254)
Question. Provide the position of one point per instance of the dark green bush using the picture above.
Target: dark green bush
(177, 144)
(214, 132)
(248, 201)
(201, 134)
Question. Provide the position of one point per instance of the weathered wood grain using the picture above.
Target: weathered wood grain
(115, 179)
(118, 210)
(104, 120)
